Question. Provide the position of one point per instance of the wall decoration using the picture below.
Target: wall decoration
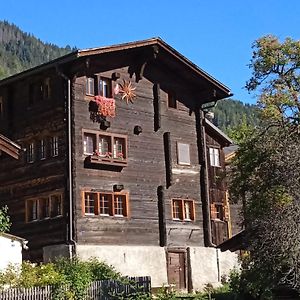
(127, 91)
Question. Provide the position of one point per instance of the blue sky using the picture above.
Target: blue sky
(215, 35)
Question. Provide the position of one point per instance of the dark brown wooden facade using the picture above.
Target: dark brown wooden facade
(148, 193)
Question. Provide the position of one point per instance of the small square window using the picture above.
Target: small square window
(183, 154)
(214, 157)
(183, 210)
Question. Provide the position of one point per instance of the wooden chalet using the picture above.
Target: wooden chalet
(118, 161)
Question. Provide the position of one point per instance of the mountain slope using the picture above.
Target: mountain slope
(230, 113)
(20, 51)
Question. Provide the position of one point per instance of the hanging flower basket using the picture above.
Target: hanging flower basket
(102, 107)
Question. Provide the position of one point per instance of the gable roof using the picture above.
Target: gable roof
(167, 54)
(225, 139)
(9, 147)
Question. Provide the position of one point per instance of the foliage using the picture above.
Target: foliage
(29, 275)
(70, 278)
(4, 219)
(229, 114)
(266, 171)
(20, 51)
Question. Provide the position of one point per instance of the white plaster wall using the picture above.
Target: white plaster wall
(205, 267)
(10, 252)
(131, 260)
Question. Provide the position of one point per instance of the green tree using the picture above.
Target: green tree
(4, 219)
(266, 169)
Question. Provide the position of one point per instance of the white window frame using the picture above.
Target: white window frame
(214, 157)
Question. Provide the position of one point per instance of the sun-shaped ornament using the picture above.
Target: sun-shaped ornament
(127, 91)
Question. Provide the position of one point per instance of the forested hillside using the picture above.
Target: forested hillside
(20, 51)
(229, 114)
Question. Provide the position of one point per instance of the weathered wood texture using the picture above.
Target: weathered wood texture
(19, 180)
(28, 119)
(144, 173)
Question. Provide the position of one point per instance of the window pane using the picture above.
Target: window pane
(30, 152)
(176, 209)
(89, 144)
(90, 84)
(214, 156)
(54, 146)
(105, 204)
(44, 208)
(42, 149)
(104, 146)
(56, 205)
(32, 213)
(119, 205)
(119, 148)
(188, 210)
(105, 87)
(90, 203)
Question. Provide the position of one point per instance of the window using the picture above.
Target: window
(214, 156)
(90, 86)
(105, 204)
(30, 153)
(54, 146)
(104, 88)
(172, 101)
(55, 205)
(31, 209)
(217, 211)
(44, 207)
(42, 149)
(105, 148)
(183, 154)
(98, 85)
(89, 144)
(183, 210)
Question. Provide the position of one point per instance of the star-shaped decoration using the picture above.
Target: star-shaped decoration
(127, 91)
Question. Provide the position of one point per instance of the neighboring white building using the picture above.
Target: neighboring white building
(11, 247)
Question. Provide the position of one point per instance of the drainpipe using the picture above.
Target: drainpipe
(70, 175)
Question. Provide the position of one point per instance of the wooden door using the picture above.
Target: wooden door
(176, 269)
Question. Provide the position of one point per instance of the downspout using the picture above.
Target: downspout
(70, 175)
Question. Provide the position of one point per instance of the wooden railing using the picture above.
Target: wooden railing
(98, 290)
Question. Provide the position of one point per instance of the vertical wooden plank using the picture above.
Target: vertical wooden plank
(168, 158)
(156, 106)
(162, 216)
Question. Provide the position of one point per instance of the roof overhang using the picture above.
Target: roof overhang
(9, 147)
(224, 139)
(236, 242)
(165, 55)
